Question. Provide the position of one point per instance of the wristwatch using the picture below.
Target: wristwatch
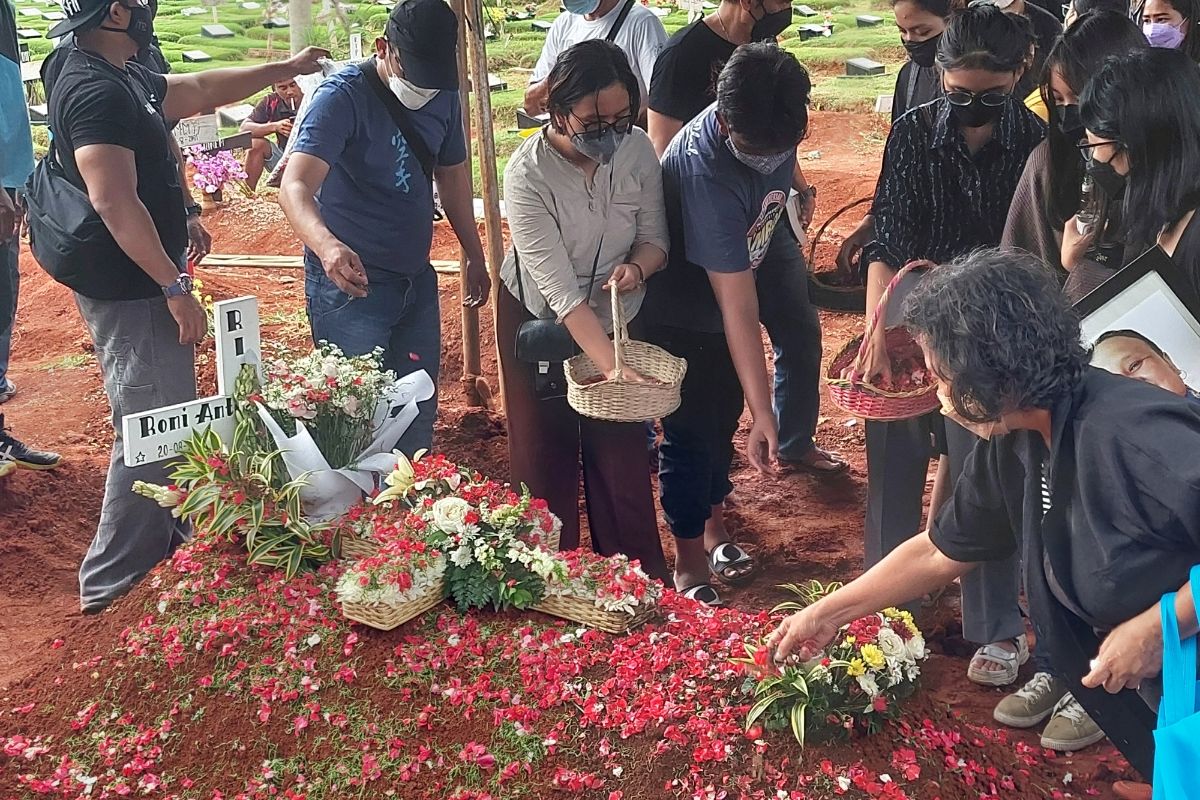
(182, 286)
(193, 210)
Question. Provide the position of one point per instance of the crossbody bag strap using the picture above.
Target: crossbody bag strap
(611, 36)
(400, 117)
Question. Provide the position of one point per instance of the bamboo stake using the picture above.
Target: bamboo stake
(474, 34)
(474, 385)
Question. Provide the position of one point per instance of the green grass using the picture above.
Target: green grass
(72, 361)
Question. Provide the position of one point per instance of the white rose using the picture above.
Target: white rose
(891, 644)
(330, 368)
(916, 647)
(450, 515)
(868, 685)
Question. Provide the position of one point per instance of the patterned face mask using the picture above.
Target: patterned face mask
(765, 165)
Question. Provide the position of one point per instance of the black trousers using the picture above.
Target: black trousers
(697, 446)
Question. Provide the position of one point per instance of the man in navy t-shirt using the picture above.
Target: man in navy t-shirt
(358, 196)
(726, 177)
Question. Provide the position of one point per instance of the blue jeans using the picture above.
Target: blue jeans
(795, 331)
(400, 314)
(10, 281)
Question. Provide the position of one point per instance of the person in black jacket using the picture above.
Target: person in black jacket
(1091, 477)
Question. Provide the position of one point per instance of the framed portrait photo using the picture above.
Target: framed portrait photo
(1144, 322)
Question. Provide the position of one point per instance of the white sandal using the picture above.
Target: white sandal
(1011, 663)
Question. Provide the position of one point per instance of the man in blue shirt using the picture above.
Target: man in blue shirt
(726, 177)
(357, 194)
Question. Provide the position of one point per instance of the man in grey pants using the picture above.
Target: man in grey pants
(108, 117)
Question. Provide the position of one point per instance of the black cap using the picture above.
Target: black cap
(425, 33)
(80, 14)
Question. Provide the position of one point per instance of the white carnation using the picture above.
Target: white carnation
(868, 685)
(892, 645)
(916, 647)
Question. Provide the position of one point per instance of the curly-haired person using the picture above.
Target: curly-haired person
(1092, 474)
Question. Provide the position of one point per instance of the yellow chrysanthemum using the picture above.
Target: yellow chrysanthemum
(856, 668)
(873, 656)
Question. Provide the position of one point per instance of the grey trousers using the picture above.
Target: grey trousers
(898, 456)
(144, 367)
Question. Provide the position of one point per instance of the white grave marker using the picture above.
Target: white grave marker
(202, 130)
(159, 434)
(356, 47)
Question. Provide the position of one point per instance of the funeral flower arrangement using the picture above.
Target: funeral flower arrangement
(399, 573)
(612, 583)
(212, 172)
(854, 685)
(333, 394)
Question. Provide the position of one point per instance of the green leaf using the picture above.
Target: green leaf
(760, 707)
(294, 561)
(266, 546)
(797, 720)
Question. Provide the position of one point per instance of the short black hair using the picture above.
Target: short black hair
(587, 68)
(1191, 39)
(939, 8)
(1146, 100)
(1128, 334)
(1090, 39)
(984, 37)
(1082, 7)
(1001, 331)
(762, 95)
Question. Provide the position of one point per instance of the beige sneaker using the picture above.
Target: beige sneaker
(1070, 728)
(1032, 703)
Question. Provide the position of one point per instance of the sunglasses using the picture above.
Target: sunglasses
(961, 97)
(1088, 149)
(597, 129)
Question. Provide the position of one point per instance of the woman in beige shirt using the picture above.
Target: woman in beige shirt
(585, 210)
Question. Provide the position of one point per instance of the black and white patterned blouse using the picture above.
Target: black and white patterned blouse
(934, 199)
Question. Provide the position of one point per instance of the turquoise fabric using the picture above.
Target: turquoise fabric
(1177, 739)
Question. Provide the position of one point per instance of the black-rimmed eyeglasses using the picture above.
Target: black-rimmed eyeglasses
(596, 129)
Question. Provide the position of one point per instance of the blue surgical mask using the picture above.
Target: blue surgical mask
(581, 7)
(762, 164)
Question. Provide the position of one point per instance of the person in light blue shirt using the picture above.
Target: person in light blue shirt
(359, 198)
(16, 163)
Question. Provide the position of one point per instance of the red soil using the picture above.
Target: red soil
(798, 526)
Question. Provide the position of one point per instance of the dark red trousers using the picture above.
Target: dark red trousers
(547, 443)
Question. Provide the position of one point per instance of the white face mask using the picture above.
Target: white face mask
(410, 96)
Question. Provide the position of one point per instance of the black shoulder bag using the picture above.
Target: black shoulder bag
(68, 238)
(400, 117)
(611, 36)
(545, 343)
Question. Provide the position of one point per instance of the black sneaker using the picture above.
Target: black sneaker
(14, 450)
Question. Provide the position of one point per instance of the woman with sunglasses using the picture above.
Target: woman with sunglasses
(1143, 152)
(949, 171)
(585, 207)
(1054, 186)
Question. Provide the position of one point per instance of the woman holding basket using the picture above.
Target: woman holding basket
(585, 209)
(949, 172)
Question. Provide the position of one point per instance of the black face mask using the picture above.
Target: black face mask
(1070, 123)
(1111, 182)
(923, 54)
(975, 115)
(141, 27)
(771, 25)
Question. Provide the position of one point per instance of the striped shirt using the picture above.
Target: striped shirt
(934, 199)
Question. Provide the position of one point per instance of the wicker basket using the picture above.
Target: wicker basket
(584, 611)
(856, 396)
(386, 617)
(830, 296)
(358, 547)
(618, 400)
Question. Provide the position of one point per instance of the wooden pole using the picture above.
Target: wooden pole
(474, 384)
(474, 34)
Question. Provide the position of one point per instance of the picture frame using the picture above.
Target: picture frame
(1154, 298)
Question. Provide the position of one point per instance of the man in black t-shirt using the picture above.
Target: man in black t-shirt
(272, 115)
(109, 132)
(683, 85)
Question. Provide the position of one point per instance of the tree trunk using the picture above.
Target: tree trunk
(299, 23)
